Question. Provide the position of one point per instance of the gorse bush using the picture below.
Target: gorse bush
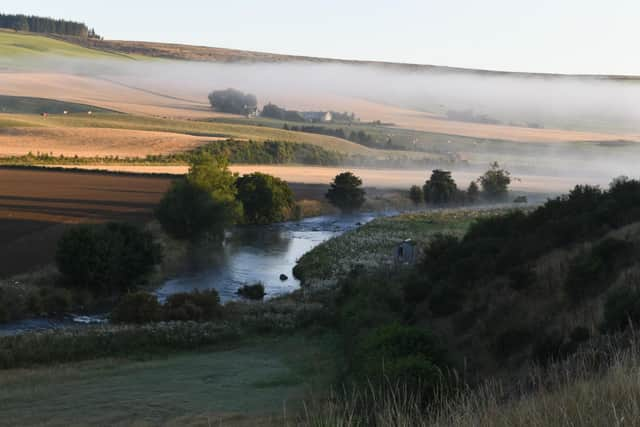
(106, 259)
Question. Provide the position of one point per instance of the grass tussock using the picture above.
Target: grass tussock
(599, 386)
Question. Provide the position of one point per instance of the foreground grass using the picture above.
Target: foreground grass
(244, 384)
(600, 386)
(372, 245)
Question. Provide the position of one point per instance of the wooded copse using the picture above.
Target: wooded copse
(37, 24)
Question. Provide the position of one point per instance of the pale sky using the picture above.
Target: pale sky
(565, 36)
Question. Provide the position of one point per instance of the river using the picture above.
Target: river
(250, 254)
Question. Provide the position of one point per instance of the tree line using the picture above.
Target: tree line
(37, 24)
(441, 188)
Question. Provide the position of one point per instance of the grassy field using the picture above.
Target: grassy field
(248, 384)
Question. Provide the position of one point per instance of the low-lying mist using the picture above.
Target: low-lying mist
(410, 96)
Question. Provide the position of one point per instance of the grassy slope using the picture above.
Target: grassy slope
(212, 129)
(257, 378)
(19, 44)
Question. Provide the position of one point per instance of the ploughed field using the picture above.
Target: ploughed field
(36, 206)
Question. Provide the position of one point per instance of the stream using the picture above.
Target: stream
(249, 255)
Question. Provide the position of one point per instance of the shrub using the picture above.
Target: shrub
(521, 277)
(137, 307)
(106, 259)
(265, 198)
(621, 309)
(254, 292)
(591, 273)
(346, 193)
(56, 300)
(400, 353)
(196, 306)
(416, 195)
(511, 341)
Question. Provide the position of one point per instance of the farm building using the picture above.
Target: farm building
(317, 116)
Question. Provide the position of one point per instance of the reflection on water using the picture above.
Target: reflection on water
(249, 255)
(260, 254)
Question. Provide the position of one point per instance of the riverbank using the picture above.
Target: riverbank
(372, 245)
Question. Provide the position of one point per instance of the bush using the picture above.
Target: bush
(511, 341)
(196, 306)
(416, 195)
(106, 259)
(591, 273)
(346, 193)
(398, 353)
(621, 309)
(137, 307)
(254, 292)
(265, 198)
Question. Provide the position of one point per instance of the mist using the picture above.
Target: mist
(603, 112)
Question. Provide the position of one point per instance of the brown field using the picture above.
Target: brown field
(89, 142)
(36, 207)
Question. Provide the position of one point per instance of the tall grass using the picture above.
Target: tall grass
(599, 386)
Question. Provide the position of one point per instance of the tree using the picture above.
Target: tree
(495, 183)
(265, 198)
(202, 202)
(106, 259)
(233, 101)
(473, 192)
(21, 24)
(416, 195)
(346, 192)
(440, 188)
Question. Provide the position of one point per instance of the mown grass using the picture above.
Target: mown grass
(229, 385)
(14, 44)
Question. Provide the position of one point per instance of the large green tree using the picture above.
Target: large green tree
(202, 202)
(265, 198)
(346, 192)
(495, 183)
(440, 188)
(233, 101)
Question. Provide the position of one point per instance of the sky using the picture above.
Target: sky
(561, 36)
